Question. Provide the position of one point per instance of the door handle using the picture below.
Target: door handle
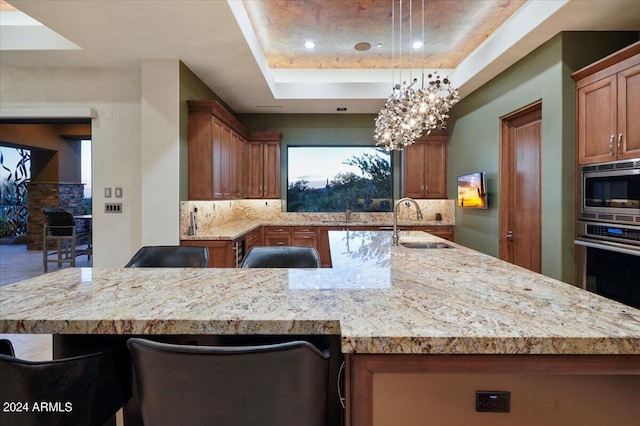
(619, 146)
(509, 235)
(611, 144)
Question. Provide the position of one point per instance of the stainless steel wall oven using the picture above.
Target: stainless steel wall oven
(608, 231)
(610, 192)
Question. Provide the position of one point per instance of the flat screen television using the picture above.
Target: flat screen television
(472, 191)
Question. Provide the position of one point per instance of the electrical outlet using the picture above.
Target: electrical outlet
(493, 402)
(113, 207)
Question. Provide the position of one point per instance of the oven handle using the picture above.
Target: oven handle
(610, 247)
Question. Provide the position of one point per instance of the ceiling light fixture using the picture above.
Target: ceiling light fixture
(410, 111)
(309, 44)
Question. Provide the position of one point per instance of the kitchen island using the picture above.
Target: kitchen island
(396, 310)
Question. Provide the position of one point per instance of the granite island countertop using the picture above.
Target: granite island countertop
(378, 298)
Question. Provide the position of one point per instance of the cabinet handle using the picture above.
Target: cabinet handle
(611, 145)
(280, 243)
(426, 188)
(619, 145)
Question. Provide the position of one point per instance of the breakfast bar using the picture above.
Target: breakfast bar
(426, 305)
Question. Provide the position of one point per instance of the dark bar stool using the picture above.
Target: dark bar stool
(281, 257)
(82, 390)
(170, 257)
(282, 384)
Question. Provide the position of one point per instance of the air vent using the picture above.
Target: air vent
(606, 167)
(589, 215)
(623, 218)
(605, 216)
(625, 165)
(589, 168)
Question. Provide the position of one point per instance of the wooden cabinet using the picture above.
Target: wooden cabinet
(252, 238)
(446, 232)
(237, 165)
(264, 165)
(277, 236)
(607, 107)
(221, 253)
(304, 236)
(216, 152)
(424, 167)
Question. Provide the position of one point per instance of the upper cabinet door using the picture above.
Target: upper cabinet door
(413, 167)
(597, 121)
(200, 157)
(436, 169)
(271, 170)
(608, 107)
(264, 165)
(629, 113)
(218, 183)
(425, 168)
(256, 170)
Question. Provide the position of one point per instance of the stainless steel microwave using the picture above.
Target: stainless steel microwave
(610, 191)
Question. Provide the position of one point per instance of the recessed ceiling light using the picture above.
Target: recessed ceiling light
(379, 45)
(417, 44)
(362, 46)
(309, 44)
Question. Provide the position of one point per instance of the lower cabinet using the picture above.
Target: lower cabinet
(277, 236)
(446, 232)
(304, 236)
(252, 238)
(221, 252)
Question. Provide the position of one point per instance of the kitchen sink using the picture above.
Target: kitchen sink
(417, 245)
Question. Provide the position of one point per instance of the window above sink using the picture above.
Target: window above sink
(339, 178)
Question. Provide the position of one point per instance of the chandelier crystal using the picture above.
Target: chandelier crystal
(410, 112)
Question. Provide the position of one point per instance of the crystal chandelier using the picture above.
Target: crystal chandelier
(411, 112)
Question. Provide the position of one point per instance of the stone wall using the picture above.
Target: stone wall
(50, 194)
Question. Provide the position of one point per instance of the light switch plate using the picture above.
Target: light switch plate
(118, 191)
(107, 193)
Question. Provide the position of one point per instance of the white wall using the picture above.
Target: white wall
(160, 156)
(116, 135)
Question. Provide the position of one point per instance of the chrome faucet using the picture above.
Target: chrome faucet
(405, 200)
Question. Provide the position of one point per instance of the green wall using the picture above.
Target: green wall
(474, 142)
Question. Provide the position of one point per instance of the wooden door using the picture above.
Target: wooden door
(239, 164)
(228, 186)
(520, 233)
(254, 187)
(271, 178)
(435, 173)
(629, 113)
(200, 157)
(413, 170)
(597, 121)
(216, 144)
